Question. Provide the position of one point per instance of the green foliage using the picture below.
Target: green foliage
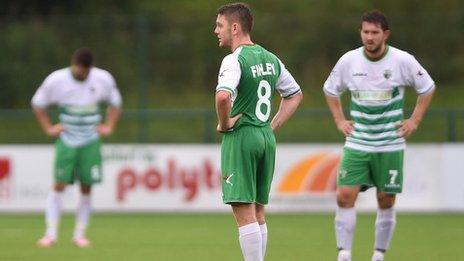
(164, 53)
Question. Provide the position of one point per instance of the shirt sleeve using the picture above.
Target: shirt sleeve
(43, 96)
(334, 85)
(229, 74)
(417, 77)
(286, 84)
(113, 96)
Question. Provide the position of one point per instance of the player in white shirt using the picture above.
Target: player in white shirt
(376, 75)
(77, 91)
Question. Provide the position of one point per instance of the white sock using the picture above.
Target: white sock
(82, 216)
(52, 213)
(345, 223)
(250, 242)
(384, 227)
(263, 229)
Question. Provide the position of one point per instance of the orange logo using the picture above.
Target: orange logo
(315, 174)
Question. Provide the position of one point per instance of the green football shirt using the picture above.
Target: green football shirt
(251, 74)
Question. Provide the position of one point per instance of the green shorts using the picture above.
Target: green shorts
(383, 170)
(247, 164)
(81, 163)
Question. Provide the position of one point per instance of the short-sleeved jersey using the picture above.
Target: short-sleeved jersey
(377, 91)
(78, 102)
(251, 74)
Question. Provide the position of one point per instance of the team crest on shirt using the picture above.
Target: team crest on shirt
(387, 74)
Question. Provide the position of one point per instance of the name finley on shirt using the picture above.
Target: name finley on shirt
(263, 70)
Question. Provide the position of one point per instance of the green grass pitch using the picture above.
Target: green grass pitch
(214, 237)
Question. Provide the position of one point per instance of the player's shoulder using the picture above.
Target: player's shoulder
(273, 57)
(101, 74)
(60, 73)
(233, 56)
(255, 50)
(351, 56)
(57, 77)
(257, 53)
(271, 54)
(231, 59)
(400, 55)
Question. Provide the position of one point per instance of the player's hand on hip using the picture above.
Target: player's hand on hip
(345, 127)
(55, 130)
(104, 130)
(229, 125)
(407, 127)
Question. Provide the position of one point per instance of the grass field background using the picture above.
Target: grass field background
(214, 237)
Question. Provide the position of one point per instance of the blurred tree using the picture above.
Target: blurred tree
(166, 52)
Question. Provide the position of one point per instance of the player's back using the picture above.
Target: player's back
(260, 70)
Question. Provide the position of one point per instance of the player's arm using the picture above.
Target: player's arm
(291, 95)
(223, 108)
(421, 81)
(335, 106)
(410, 125)
(228, 80)
(112, 117)
(114, 108)
(287, 107)
(333, 88)
(40, 101)
(52, 130)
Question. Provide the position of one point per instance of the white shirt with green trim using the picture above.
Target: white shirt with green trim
(377, 93)
(78, 102)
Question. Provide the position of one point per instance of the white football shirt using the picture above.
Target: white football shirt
(377, 92)
(78, 102)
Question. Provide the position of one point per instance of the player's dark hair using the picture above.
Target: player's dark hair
(238, 12)
(375, 17)
(83, 57)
